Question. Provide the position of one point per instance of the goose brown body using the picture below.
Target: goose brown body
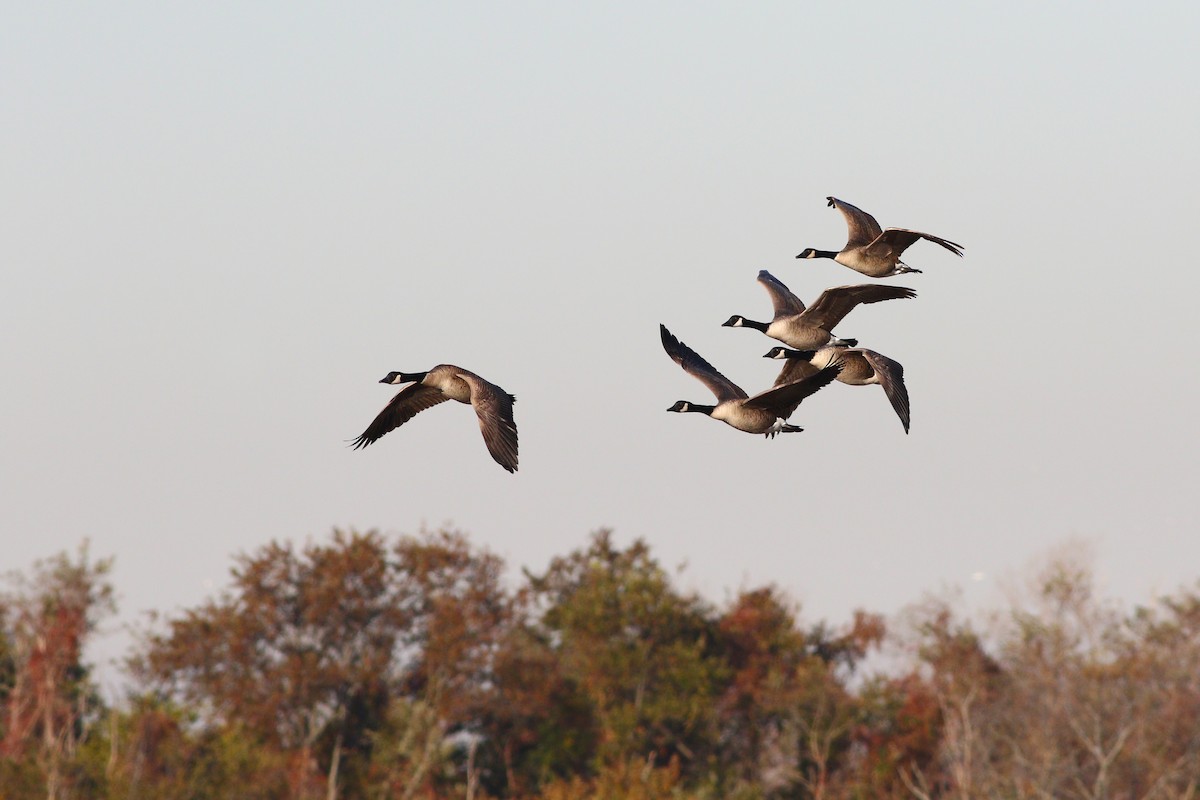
(860, 367)
(872, 250)
(493, 407)
(811, 328)
(765, 412)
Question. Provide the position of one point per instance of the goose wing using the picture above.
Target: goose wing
(894, 241)
(891, 378)
(834, 304)
(782, 400)
(494, 407)
(408, 402)
(700, 369)
(782, 300)
(797, 368)
(862, 227)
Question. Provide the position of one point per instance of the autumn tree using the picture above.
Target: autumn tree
(459, 612)
(765, 652)
(311, 647)
(46, 619)
(405, 670)
(956, 679)
(1162, 655)
(537, 721)
(1094, 700)
(1066, 696)
(787, 716)
(460, 615)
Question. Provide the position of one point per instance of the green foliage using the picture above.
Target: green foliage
(368, 668)
(641, 653)
(538, 723)
(409, 750)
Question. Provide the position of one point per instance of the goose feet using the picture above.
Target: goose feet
(784, 429)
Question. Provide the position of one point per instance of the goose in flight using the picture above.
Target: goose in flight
(860, 367)
(493, 405)
(812, 328)
(765, 412)
(872, 250)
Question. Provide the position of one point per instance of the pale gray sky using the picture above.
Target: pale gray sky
(222, 223)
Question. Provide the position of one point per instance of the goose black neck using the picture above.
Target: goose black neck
(396, 378)
(758, 326)
(815, 253)
(696, 407)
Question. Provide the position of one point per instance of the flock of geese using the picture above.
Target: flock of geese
(814, 356)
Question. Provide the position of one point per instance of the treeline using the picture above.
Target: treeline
(369, 667)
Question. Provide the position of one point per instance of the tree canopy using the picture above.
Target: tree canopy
(367, 666)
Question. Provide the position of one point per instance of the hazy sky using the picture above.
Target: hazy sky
(222, 223)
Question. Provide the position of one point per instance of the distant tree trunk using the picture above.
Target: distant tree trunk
(50, 743)
(510, 776)
(334, 760)
(52, 778)
(433, 739)
(959, 741)
(472, 774)
(114, 750)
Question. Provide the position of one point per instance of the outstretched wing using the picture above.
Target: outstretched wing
(891, 378)
(894, 241)
(834, 304)
(782, 400)
(861, 226)
(700, 369)
(797, 368)
(408, 402)
(494, 407)
(782, 300)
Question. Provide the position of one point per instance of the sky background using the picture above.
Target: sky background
(221, 224)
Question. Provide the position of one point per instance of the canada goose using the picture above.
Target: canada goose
(811, 328)
(872, 250)
(765, 412)
(493, 405)
(860, 367)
